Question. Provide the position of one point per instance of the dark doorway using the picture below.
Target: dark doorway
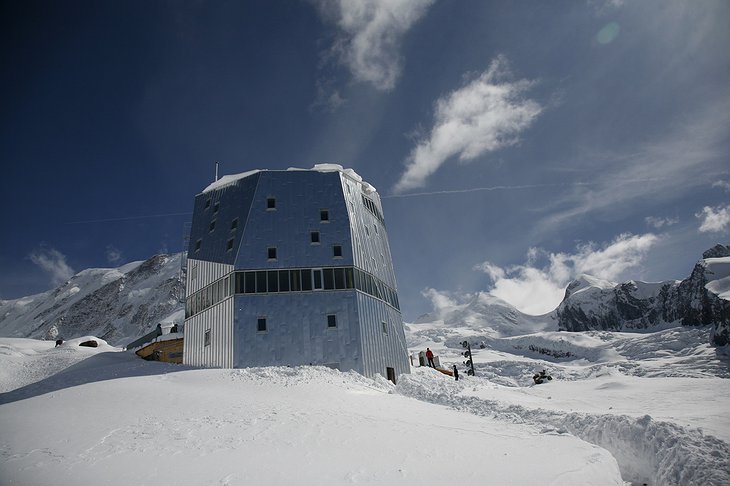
(391, 374)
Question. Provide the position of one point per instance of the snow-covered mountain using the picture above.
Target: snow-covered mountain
(116, 304)
(699, 300)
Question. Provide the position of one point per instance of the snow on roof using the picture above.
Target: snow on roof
(350, 173)
(229, 179)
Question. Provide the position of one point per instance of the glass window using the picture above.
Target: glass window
(270, 203)
(206, 338)
(385, 327)
(314, 236)
(207, 204)
(324, 215)
(340, 278)
(234, 224)
(250, 282)
(211, 227)
(295, 280)
(337, 251)
(306, 279)
(367, 231)
(349, 279)
(229, 245)
(261, 324)
(329, 278)
(261, 282)
(317, 278)
(273, 281)
(331, 321)
(284, 280)
(216, 206)
(198, 244)
(271, 252)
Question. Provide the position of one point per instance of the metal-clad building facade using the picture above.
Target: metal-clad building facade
(290, 268)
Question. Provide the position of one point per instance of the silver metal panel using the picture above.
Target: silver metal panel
(371, 250)
(219, 353)
(299, 196)
(380, 349)
(296, 330)
(201, 273)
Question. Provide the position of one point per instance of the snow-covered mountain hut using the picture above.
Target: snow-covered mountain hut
(292, 267)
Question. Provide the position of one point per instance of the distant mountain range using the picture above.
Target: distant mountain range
(121, 304)
(594, 304)
(698, 300)
(115, 304)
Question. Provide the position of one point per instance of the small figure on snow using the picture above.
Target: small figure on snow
(429, 357)
(540, 377)
(59, 342)
(456, 373)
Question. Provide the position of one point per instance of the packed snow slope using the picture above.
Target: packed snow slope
(155, 423)
(644, 408)
(117, 304)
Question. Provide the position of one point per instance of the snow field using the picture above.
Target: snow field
(647, 451)
(307, 425)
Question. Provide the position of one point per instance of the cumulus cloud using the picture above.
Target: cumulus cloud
(370, 33)
(536, 288)
(485, 115)
(658, 222)
(53, 262)
(113, 254)
(714, 220)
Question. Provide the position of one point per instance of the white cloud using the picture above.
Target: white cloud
(658, 222)
(485, 115)
(723, 184)
(370, 35)
(714, 220)
(113, 254)
(439, 299)
(537, 289)
(53, 262)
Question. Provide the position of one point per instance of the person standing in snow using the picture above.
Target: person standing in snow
(429, 357)
(456, 373)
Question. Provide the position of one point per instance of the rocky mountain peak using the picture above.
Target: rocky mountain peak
(717, 251)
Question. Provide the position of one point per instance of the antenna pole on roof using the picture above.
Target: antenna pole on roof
(216, 171)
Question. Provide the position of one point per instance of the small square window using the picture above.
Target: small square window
(337, 251)
(385, 327)
(314, 237)
(206, 338)
(331, 321)
(324, 215)
(271, 252)
(198, 244)
(229, 245)
(261, 324)
(216, 206)
(375, 227)
(270, 203)
(212, 226)
(234, 224)
(367, 231)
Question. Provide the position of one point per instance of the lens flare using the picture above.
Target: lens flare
(608, 33)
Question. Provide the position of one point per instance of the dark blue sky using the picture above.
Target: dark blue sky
(516, 144)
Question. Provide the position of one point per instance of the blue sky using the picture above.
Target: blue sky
(515, 144)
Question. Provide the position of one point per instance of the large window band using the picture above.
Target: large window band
(290, 280)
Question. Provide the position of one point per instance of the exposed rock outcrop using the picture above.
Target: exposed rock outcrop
(590, 303)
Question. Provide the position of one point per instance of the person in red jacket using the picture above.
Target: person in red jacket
(429, 357)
